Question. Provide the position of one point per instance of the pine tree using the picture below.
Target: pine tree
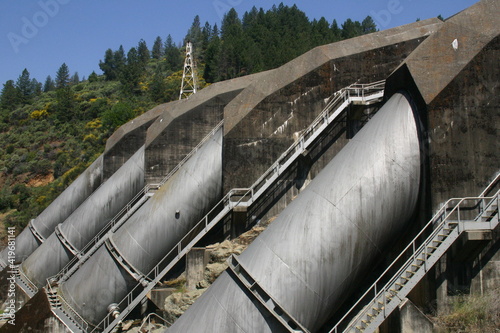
(25, 87)
(157, 51)
(131, 74)
(194, 33)
(173, 55)
(62, 77)
(212, 56)
(368, 25)
(49, 84)
(75, 79)
(119, 61)
(232, 41)
(36, 87)
(157, 88)
(93, 77)
(351, 29)
(9, 98)
(108, 66)
(143, 52)
(64, 95)
(336, 31)
(321, 32)
(206, 36)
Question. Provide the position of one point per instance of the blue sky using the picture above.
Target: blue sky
(42, 34)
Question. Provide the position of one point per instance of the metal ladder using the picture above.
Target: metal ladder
(365, 94)
(446, 226)
(63, 311)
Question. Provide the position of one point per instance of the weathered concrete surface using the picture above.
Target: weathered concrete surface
(158, 296)
(196, 262)
(261, 122)
(127, 139)
(35, 317)
(407, 318)
(412, 320)
(184, 124)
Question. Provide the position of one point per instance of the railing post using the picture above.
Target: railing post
(384, 302)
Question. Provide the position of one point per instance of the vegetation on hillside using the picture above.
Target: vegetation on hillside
(51, 131)
(472, 314)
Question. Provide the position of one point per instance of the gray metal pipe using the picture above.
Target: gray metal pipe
(86, 221)
(314, 254)
(59, 210)
(149, 234)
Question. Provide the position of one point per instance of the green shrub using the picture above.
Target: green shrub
(118, 115)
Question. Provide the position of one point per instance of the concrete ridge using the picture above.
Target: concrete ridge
(450, 49)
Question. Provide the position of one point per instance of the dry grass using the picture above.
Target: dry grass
(472, 314)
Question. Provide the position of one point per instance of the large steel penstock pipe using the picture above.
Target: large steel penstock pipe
(312, 256)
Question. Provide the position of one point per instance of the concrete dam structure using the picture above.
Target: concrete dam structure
(352, 171)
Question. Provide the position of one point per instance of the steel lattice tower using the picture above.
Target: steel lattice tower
(189, 84)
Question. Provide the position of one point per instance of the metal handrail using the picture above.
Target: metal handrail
(442, 216)
(147, 320)
(339, 97)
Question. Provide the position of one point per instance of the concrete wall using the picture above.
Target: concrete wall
(180, 128)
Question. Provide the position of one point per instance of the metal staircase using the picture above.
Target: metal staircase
(25, 284)
(365, 94)
(65, 313)
(453, 219)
